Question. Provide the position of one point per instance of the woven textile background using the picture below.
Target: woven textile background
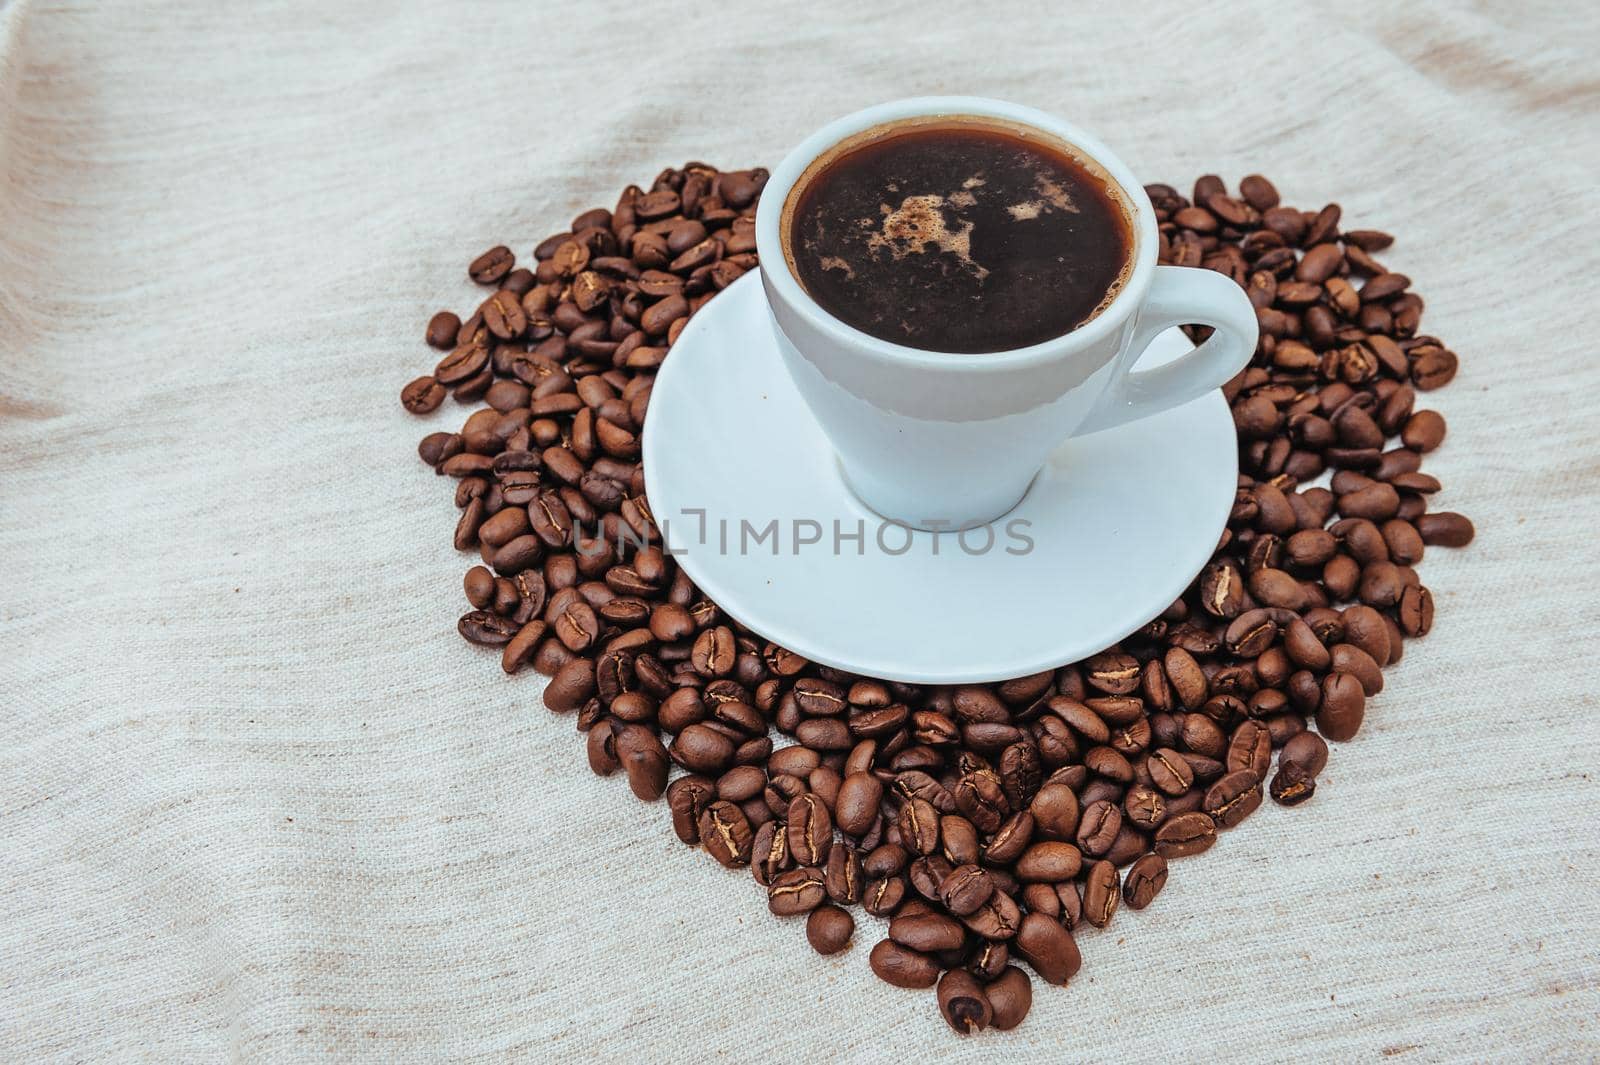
(259, 801)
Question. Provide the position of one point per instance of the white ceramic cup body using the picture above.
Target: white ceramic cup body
(938, 440)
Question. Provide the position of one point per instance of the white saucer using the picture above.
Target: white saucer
(1121, 521)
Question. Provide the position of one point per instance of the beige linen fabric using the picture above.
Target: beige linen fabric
(258, 800)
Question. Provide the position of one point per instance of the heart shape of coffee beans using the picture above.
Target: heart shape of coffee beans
(983, 822)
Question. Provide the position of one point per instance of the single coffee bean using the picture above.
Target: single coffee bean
(902, 966)
(883, 896)
(714, 652)
(810, 830)
(796, 891)
(927, 873)
(1250, 748)
(988, 960)
(1101, 887)
(963, 1002)
(1293, 784)
(958, 839)
(519, 650)
(1233, 798)
(857, 804)
(1143, 807)
(1102, 820)
(1010, 997)
(492, 265)
(1146, 877)
(701, 749)
(829, 928)
(1343, 707)
(843, 876)
(1444, 529)
(1416, 610)
(442, 330)
(645, 761)
(1347, 658)
(1185, 834)
(422, 396)
(997, 919)
(1169, 772)
(726, 834)
(486, 629)
(1049, 862)
(927, 932)
(1307, 750)
(1048, 948)
(687, 798)
(965, 889)
(1055, 814)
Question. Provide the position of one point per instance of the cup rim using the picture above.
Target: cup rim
(781, 281)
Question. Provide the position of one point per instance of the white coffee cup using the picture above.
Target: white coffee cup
(938, 440)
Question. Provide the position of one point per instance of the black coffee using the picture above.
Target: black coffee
(958, 237)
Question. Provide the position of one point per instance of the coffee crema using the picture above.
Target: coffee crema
(958, 235)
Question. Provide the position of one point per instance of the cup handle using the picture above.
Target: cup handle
(1179, 295)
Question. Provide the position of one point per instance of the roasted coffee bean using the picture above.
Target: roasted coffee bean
(1055, 812)
(1146, 877)
(1050, 862)
(810, 830)
(422, 396)
(725, 832)
(1101, 888)
(1048, 948)
(571, 686)
(1416, 610)
(965, 889)
(997, 919)
(1169, 772)
(1185, 834)
(645, 761)
(687, 798)
(919, 826)
(1307, 750)
(714, 652)
(577, 626)
(927, 873)
(442, 330)
(958, 839)
(520, 648)
(1293, 784)
(857, 803)
(1233, 798)
(1143, 807)
(1010, 997)
(796, 891)
(843, 876)
(1222, 589)
(883, 896)
(489, 630)
(829, 929)
(1444, 529)
(1343, 706)
(927, 932)
(1249, 748)
(1098, 828)
(963, 1002)
(701, 749)
(492, 265)
(902, 966)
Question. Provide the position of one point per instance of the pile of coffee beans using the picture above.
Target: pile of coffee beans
(985, 823)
